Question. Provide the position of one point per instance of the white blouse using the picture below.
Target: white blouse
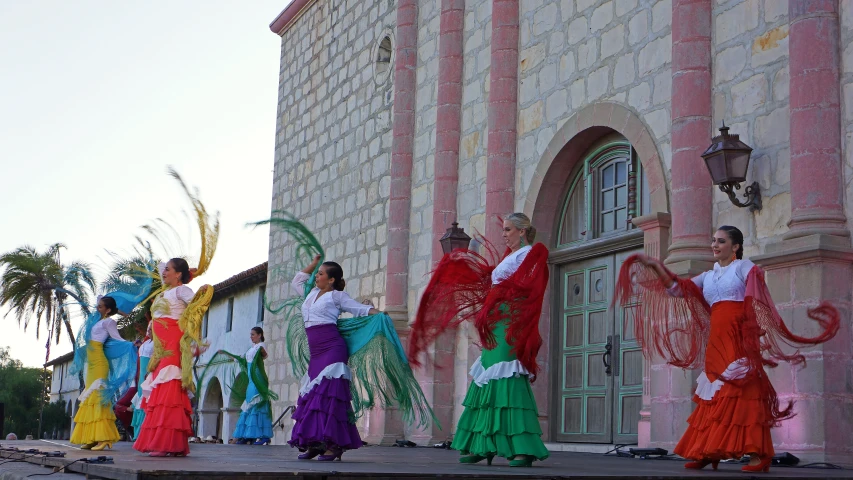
(104, 329)
(147, 348)
(178, 298)
(509, 265)
(724, 284)
(253, 350)
(326, 309)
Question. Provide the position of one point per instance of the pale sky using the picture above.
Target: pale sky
(98, 97)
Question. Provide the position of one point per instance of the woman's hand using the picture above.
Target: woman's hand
(203, 289)
(310, 268)
(198, 350)
(373, 311)
(646, 260)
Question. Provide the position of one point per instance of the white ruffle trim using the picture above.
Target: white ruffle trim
(96, 385)
(335, 370)
(167, 374)
(706, 389)
(247, 404)
(497, 371)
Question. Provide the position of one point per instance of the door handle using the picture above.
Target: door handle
(615, 362)
(608, 350)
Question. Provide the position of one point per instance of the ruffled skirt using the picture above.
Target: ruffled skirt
(324, 413)
(732, 420)
(500, 416)
(256, 419)
(168, 423)
(95, 421)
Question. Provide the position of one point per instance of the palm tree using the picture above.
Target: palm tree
(125, 275)
(37, 285)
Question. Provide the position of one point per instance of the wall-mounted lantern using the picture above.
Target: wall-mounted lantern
(455, 238)
(727, 160)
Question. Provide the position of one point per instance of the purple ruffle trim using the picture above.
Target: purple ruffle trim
(322, 417)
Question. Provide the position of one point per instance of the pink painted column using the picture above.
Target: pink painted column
(691, 195)
(438, 379)
(449, 120)
(503, 114)
(402, 152)
(815, 120)
(385, 426)
(668, 402)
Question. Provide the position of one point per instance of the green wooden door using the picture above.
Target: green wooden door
(598, 388)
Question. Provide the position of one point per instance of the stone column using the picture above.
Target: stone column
(691, 194)
(440, 381)
(815, 120)
(402, 153)
(207, 422)
(655, 227)
(503, 114)
(230, 417)
(814, 261)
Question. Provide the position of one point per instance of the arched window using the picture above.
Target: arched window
(606, 191)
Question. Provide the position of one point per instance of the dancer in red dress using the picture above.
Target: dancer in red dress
(177, 320)
(725, 322)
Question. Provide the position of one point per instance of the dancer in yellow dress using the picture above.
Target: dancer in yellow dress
(95, 422)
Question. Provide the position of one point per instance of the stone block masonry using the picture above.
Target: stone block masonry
(333, 156)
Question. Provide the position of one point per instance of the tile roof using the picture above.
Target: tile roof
(254, 276)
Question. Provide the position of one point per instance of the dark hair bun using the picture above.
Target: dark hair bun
(110, 303)
(333, 270)
(181, 266)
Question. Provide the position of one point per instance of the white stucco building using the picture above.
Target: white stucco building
(65, 387)
(237, 306)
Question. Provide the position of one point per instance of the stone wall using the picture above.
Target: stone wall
(576, 53)
(332, 156)
(750, 69)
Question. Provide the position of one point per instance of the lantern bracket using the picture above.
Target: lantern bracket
(752, 194)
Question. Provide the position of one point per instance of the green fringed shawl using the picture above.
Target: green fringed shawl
(381, 371)
(235, 371)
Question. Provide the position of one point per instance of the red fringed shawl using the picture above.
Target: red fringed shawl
(461, 289)
(677, 327)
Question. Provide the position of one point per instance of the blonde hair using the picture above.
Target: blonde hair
(522, 222)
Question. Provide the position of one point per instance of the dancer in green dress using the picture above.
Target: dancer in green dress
(504, 302)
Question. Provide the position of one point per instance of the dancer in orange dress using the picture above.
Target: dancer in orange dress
(177, 316)
(725, 322)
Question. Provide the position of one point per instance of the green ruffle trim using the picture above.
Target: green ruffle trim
(500, 418)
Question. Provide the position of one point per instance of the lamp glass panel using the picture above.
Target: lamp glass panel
(717, 167)
(738, 162)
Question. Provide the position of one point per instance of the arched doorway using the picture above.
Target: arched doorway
(599, 175)
(211, 410)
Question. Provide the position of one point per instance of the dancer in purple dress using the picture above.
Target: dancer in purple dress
(325, 422)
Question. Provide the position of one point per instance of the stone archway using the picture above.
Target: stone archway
(543, 203)
(543, 200)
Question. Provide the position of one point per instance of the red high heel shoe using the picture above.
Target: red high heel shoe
(763, 466)
(699, 465)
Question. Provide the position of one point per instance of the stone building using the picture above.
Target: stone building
(237, 306)
(396, 118)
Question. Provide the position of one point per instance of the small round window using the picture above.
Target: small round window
(383, 55)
